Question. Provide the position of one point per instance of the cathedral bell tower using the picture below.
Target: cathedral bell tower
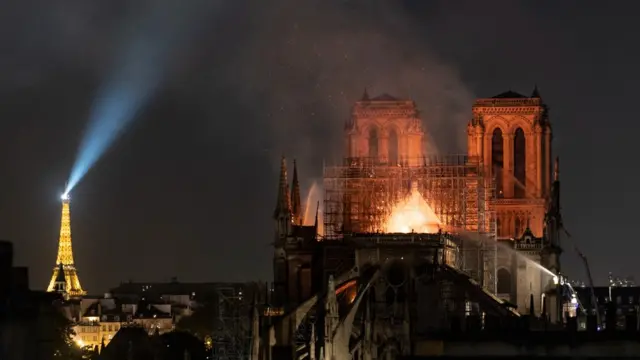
(511, 135)
(385, 130)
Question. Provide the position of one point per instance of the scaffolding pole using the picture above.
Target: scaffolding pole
(232, 324)
(361, 193)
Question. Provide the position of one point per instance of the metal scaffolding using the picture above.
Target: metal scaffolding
(232, 324)
(360, 195)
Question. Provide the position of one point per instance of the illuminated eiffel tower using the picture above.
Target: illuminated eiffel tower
(65, 276)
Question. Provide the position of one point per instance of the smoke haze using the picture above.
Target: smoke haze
(297, 66)
(257, 79)
(317, 57)
(306, 62)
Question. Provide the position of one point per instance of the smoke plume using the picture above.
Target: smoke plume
(262, 77)
(295, 66)
(310, 60)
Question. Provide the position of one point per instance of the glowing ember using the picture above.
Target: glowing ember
(413, 214)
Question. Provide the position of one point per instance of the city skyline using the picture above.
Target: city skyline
(195, 176)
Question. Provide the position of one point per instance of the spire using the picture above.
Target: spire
(553, 217)
(365, 95)
(296, 206)
(556, 190)
(535, 93)
(64, 260)
(283, 204)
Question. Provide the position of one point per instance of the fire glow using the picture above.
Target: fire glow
(413, 214)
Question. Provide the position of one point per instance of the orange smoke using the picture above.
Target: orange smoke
(413, 214)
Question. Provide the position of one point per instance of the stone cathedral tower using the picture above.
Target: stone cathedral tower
(511, 135)
(385, 130)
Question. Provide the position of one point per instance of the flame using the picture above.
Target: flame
(413, 214)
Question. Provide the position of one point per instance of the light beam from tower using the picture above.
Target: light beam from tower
(137, 72)
(68, 282)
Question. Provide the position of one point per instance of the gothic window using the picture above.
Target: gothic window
(497, 161)
(498, 227)
(519, 163)
(393, 147)
(373, 142)
(504, 281)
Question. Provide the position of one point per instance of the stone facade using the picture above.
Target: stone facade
(511, 135)
(386, 130)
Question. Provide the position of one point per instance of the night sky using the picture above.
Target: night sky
(189, 187)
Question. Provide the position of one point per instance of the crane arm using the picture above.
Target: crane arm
(594, 299)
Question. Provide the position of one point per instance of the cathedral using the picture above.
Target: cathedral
(414, 242)
(508, 169)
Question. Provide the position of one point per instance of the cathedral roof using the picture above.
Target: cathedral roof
(509, 95)
(385, 97)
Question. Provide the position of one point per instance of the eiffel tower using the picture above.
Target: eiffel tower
(65, 276)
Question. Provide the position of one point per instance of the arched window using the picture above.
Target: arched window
(393, 147)
(373, 143)
(497, 160)
(504, 281)
(519, 164)
(499, 231)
